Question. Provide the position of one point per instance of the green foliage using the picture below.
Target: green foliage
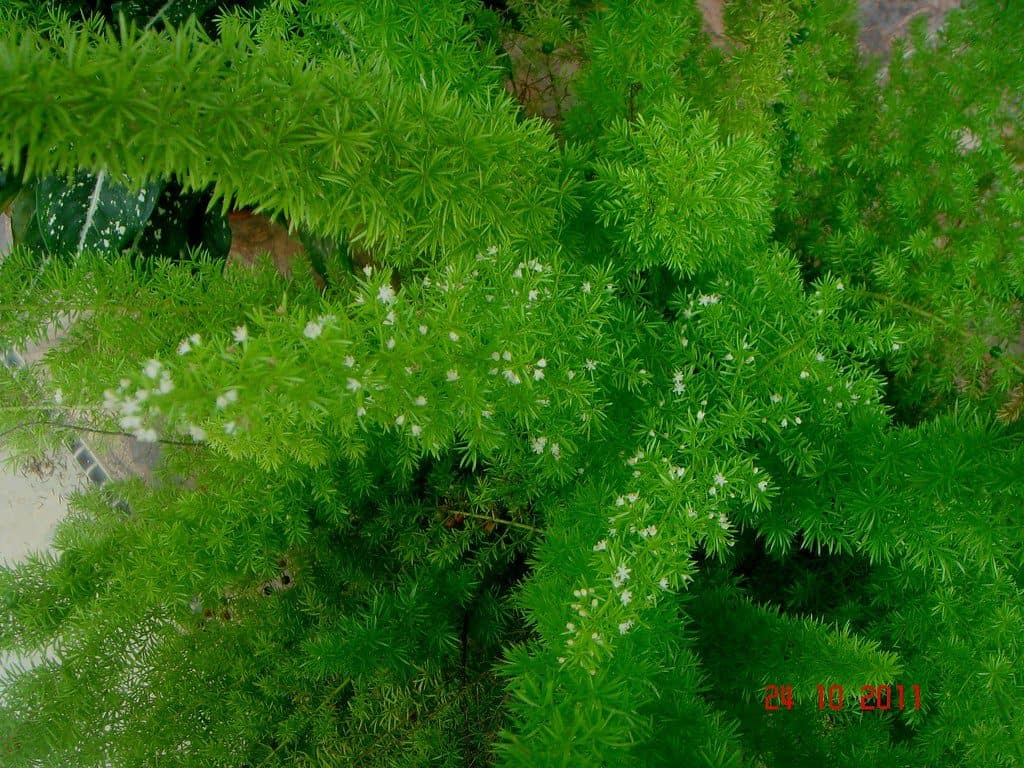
(597, 426)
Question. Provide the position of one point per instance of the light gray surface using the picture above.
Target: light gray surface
(32, 501)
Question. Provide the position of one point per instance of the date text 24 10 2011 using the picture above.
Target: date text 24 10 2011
(881, 698)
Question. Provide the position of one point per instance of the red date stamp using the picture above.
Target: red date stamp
(873, 698)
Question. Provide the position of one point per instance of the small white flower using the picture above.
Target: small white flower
(622, 573)
(195, 339)
(130, 422)
(632, 497)
(486, 414)
(712, 491)
(663, 583)
(152, 369)
(586, 287)
(400, 420)
(241, 334)
(570, 374)
(506, 356)
(762, 486)
(968, 141)
(184, 347)
(798, 420)
(601, 546)
(453, 336)
(312, 330)
(389, 319)
(196, 433)
(452, 375)
(228, 397)
(386, 294)
(415, 429)
(839, 286)
(784, 423)
(360, 412)
(556, 451)
(146, 435)
(491, 250)
(819, 357)
(542, 363)
(720, 479)
(804, 374)
(776, 398)
(729, 357)
(532, 296)
(166, 385)
(649, 531)
(512, 377)
(538, 375)
(626, 597)
(349, 361)
(129, 407)
(570, 626)
(368, 270)
(539, 444)
(353, 384)
(58, 396)
(895, 347)
(700, 415)
(625, 626)
(421, 400)
(423, 330)
(706, 299)
(590, 365)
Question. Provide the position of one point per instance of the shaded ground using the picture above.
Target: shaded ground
(882, 20)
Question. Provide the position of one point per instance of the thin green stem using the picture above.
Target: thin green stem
(511, 523)
(82, 428)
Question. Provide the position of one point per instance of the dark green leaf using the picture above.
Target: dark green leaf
(92, 212)
(24, 225)
(181, 221)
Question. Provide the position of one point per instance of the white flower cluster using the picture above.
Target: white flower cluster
(188, 344)
(540, 443)
(314, 328)
(129, 407)
(533, 264)
(621, 576)
(677, 383)
(229, 397)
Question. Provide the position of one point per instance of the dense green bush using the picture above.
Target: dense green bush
(592, 427)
